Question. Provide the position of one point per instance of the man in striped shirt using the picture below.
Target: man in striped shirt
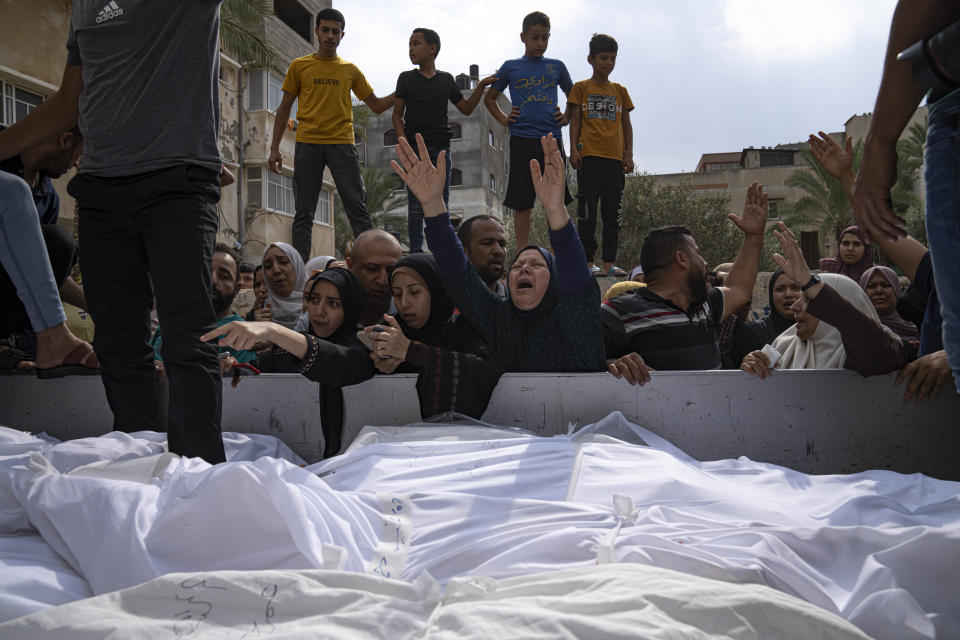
(671, 324)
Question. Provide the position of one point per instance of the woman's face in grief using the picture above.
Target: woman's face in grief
(411, 297)
(881, 293)
(851, 248)
(325, 309)
(279, 271)
(806, 323)
(785, 293)
(528, 280)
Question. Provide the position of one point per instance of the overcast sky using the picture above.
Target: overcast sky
(706, 76)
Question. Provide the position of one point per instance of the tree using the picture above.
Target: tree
(381, 202)
(906, 200)
(240, 22)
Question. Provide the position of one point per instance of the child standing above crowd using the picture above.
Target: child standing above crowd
(601, 150)
(421, 107)
(321, 83)
(533, 81)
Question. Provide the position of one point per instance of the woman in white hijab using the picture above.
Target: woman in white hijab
(284, 274)
(837, 326)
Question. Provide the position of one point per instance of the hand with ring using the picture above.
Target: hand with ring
(389, 341)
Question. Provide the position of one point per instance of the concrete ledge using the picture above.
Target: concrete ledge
(812, 421)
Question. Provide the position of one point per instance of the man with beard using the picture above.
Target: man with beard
(373, 255)
(224, 284)
(671, 324)
(485, 244)
(41, 274)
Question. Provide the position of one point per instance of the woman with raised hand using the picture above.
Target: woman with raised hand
(551, 321)
(328, 352)
(456, 371)
(285, 276)
(836, 325)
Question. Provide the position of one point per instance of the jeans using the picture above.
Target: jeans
(942, 183)
(415, 210)
(308, 164)
(600, 182)
(23, 254)
(146, 234)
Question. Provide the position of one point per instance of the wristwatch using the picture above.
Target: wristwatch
(814, 279)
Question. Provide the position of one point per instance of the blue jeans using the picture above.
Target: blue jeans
(415, 211)
(23, 254)
(942, 182)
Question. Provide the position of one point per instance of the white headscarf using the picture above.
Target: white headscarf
(318, 264)
(824, 349)
(286, 309)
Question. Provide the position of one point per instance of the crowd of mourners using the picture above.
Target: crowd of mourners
(458, 317)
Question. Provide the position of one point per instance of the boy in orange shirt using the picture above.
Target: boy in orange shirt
(601, 150)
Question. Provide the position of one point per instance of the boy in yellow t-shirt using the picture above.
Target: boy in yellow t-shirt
(321, 83)
(601, 150)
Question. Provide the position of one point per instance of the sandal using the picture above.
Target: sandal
(596, 271)
(15, 362)
(616, 272)
(81, 361)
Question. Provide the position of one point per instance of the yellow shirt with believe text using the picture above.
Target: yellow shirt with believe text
(322, 87)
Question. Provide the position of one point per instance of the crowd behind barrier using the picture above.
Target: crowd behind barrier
(467, 313)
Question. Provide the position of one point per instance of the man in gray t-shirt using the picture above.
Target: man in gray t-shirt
(142, 83)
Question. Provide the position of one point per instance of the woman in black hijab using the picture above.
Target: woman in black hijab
(782, 292)
(328, 352)
(455, 369)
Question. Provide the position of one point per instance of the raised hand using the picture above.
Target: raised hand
(793, 264)
(424, 179)
(754, 218)
(550, 184)
(831, 157)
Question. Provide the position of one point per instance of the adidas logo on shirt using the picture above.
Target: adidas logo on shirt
(109, 12)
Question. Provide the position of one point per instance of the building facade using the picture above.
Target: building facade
(732, 173)
(258, 208)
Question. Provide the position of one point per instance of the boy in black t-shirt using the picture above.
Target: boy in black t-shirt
(421, 107)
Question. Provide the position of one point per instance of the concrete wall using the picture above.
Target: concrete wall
(813, 421)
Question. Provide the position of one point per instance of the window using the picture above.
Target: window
(280, 193)
(456, 131)
(456, 178)
(490, 139)
(776, 158)
(493, 183)
(322, 214)
(265, 91)
(773, 209)
(292, 14)
(17, 103)
(389, 138)
(255, 186)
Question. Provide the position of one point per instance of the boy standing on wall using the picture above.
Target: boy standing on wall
(321, 83)
(601, 150)
(421, 107)
(533, 81)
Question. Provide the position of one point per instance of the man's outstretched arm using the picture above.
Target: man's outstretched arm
(49, 119)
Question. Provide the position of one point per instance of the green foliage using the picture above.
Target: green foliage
(824, 201)
(647, 206)
(382, 201)
(240, 22)
(904, 194)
